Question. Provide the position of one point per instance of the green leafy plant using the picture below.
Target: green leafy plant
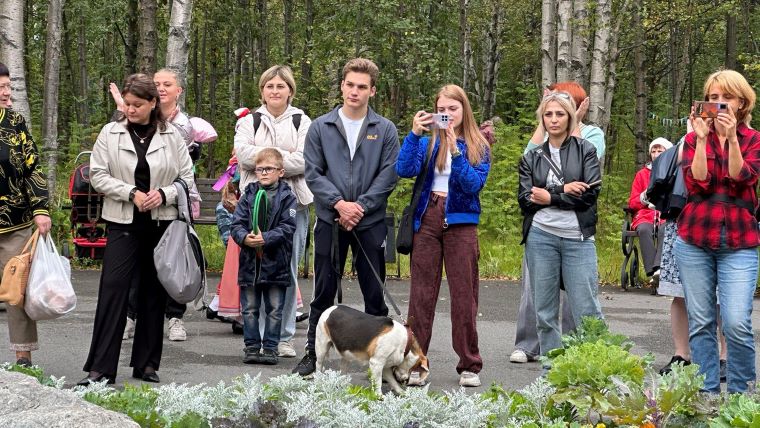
(585, 373)
(137, 402)
(739, 411)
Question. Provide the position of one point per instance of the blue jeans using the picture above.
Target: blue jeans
(550, 256)
(734, 274)
(251, 298)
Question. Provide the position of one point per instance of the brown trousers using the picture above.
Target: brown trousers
(457, 247)
(21, 329)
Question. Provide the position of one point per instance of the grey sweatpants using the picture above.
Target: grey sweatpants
(21, 329)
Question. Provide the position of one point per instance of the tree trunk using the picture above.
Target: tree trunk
(210, 165)
(52, 81)
(84, 105)
(548, 64)
(178, 44)
(196, 77)
(287, 17)
(493, 59)
(263, 39)
(731, 41)
(465, 46)
(581, 42)
(599, 62)
(131, 39)
(640, 73)
(147, 46)
(12, 53)
(307, 46)
(564, 39)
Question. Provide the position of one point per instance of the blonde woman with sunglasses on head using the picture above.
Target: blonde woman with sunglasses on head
(558, 190)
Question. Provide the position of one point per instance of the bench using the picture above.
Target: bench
(209, 199)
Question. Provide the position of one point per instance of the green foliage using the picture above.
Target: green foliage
(593, 329)
(585, 373)
(739, 411)
(137, 402)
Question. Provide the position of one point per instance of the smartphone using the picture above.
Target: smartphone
(595, 183)
(440, 121)
(706, 109)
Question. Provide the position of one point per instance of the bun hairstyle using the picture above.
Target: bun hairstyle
(142, 86)
(477, 145)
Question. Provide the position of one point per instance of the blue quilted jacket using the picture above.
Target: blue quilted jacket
(465, 181)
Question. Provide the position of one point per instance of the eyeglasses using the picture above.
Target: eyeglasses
(266, 170)
(7, 86)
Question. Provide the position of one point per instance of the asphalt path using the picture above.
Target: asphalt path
(212, 353)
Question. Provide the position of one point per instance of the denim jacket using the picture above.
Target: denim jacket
(465, 181)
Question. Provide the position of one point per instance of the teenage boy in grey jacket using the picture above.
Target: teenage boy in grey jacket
(350, 156)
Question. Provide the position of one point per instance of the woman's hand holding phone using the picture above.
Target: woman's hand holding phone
(701, 126)
(420, 122)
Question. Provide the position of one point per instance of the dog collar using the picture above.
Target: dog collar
(409, 337)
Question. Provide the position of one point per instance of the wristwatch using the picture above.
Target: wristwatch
(132, 194)
(457, 153)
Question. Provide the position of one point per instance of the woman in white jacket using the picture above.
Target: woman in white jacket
(134, 163)
(280, 125)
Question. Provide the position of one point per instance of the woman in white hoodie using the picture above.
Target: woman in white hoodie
(280, 125)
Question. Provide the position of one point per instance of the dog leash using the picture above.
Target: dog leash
(380, 281)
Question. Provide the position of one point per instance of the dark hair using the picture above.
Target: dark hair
(4, 72)
(142, 86)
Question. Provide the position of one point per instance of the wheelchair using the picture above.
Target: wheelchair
(629, 271)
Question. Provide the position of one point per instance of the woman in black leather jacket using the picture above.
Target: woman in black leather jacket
(559, 186)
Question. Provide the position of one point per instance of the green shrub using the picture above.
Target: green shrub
(739, 411)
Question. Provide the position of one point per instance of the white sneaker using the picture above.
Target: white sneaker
(285, 350)
(177, 332)
(469, 379)
(518, 356)
(129, 329)
(415, 380)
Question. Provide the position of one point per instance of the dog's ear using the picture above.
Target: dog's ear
(409, 321)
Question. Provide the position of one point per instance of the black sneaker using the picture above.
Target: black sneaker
(302, 317)
(307, 365)
(268, 357)
(237, 327)
(722, 371)
(24, 362)
(676, 359)
(252, 355)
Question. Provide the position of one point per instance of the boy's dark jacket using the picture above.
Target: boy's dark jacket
(274, 266)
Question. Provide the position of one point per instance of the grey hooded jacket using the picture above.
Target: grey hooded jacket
(367, 179)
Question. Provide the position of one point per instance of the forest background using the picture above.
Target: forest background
(642, 62)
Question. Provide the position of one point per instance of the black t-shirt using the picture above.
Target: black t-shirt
(142, 136)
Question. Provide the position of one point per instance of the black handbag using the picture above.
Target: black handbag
(405, 234)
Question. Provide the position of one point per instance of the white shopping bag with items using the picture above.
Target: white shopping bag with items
(49, 293)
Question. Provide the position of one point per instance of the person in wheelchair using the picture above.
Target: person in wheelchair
(645, 216)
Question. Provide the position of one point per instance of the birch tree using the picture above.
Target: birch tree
(52, 81)
(581, 41)
(599, 63)
(178, 44)
(12, 53)
(493, 57)
(548, 58)
(147, 46)
(564, 39)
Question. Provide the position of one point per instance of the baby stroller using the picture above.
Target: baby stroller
(87, 228)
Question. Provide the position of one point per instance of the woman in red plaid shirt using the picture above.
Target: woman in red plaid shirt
(718, 232)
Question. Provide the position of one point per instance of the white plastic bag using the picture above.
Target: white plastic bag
(49, 293)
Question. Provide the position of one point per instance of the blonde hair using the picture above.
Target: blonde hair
(174, 74)
(283, 72)
(735, 84)
(269, 154)
(362, 65)
(566, 102)
(476, 143)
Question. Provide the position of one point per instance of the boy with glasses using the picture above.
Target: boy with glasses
(263, 225)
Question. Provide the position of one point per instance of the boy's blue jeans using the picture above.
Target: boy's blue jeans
(251, 298)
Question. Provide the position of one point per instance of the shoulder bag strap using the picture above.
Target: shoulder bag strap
(417, 190)
(553, 166)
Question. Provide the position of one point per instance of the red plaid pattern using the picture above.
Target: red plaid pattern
(700, 222)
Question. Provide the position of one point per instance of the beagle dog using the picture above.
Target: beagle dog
(389, 348)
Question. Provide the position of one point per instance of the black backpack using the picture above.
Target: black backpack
(257, 121)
